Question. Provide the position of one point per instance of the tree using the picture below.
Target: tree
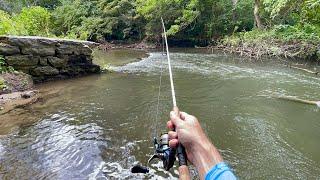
(256, 13)
(14, 6)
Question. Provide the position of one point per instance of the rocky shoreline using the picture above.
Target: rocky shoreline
(38, 59)
(47, 58)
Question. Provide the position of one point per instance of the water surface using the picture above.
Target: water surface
(99, 126)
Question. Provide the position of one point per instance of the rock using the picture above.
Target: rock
(48, 58)
(93, 68)
(57, 62)
(24, 69)
(28, 94)
(43, 61)
(6, 49)
(32, 45)
(79, 60)
(69, 49)
(22, 60)
(17, 82)
(44, 71)
(27, 41)
(39, 50)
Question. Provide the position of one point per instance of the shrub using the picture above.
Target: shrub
(35, 20)
(31, 21)
(4, 67)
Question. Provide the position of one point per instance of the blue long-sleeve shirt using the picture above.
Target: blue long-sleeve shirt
(220, 171)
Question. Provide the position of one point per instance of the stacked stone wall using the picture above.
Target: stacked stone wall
(47, 58)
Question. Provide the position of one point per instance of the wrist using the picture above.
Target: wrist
(206, 156)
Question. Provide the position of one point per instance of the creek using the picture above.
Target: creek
(98, 126)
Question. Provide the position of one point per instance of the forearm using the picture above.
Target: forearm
(206, 156)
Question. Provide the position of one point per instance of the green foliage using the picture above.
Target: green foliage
(6, 24)
(4, 67)
(280, 33)
(194, 19)
(133, 20)
(71, 19)
(35, 20)
(15, 6)
(31, 21)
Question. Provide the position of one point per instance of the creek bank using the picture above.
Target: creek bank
(39, 59)
(273, 43)
(48, 58)
(11, 101)
(14, 82)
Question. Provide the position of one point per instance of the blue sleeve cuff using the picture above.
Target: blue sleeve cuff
(220, 171)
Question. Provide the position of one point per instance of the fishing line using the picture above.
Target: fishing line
(159, 91)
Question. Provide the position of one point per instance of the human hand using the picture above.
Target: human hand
(200, 151)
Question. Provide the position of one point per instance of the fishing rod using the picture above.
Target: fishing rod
(163, 151)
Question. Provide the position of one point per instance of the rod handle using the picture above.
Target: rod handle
(184, 173)
(182, 157)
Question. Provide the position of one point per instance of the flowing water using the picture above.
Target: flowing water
(98, 127)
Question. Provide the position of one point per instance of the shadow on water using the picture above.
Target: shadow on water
(99, 126)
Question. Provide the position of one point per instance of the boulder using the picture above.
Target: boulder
(39, 50)
(79, 60)
(27, 41)
(6, 49)
(24, 69)
(48, 58)
(22, 60)
(93, 68)
(69, 49)
(44, 71)
(28, 94)
(43, 61)
(57, 62)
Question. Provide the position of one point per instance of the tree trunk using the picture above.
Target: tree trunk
(234, 5)
(256, 14)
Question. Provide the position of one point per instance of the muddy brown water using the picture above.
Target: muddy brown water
(97, 127)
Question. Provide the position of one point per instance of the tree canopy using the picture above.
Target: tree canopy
(135, 20)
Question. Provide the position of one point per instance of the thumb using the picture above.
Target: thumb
(175, 119)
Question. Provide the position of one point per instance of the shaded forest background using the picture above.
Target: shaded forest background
(199, 22)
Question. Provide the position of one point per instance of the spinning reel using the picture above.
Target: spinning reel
(162, 152)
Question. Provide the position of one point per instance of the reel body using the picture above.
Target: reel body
(163, 152)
